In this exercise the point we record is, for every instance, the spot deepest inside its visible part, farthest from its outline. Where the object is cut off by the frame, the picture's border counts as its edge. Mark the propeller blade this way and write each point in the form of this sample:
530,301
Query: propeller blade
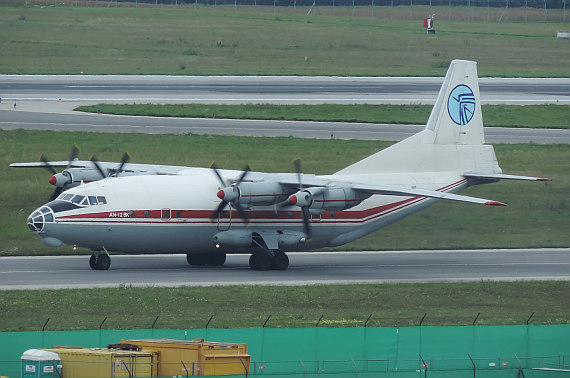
47,164
58,190
305,209
307,222
96,164
124,160
244,173
218,210
241,212
73,155
217,172
297,164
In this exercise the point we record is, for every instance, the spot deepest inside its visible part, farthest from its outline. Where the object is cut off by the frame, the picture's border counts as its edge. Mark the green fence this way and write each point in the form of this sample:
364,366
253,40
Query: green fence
485,351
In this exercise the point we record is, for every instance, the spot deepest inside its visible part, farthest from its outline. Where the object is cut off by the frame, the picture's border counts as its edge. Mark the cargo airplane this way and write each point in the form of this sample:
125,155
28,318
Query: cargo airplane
206,213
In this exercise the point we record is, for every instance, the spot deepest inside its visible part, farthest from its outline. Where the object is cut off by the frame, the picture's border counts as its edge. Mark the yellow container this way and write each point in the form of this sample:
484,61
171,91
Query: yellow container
196,357
103,363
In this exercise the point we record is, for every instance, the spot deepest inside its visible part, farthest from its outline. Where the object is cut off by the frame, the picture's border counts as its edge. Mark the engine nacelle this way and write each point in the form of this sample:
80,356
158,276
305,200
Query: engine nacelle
321,199
272,239
290,238
232,238
254,193
72,177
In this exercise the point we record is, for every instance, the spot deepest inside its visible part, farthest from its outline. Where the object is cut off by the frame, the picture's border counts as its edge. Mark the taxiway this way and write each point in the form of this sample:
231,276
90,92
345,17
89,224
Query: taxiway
307,268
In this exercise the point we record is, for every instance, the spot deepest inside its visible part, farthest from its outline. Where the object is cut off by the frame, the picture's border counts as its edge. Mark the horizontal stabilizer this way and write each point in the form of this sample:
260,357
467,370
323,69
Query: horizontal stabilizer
398,191
500,176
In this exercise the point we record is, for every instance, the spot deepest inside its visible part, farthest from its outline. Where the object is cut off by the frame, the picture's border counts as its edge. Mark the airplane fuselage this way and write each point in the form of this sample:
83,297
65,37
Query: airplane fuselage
173,214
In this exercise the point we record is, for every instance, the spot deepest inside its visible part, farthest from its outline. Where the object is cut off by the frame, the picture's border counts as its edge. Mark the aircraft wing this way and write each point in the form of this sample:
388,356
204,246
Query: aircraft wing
414,192
500,176
151,169
390,190
56,164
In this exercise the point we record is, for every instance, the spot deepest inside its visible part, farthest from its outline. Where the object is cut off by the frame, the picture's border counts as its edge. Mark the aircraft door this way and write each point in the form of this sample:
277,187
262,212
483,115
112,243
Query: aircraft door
225,218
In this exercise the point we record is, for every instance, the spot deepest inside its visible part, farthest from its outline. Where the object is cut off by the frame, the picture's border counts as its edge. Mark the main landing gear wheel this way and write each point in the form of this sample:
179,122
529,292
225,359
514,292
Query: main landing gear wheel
280,261
261,260
202,259
100,261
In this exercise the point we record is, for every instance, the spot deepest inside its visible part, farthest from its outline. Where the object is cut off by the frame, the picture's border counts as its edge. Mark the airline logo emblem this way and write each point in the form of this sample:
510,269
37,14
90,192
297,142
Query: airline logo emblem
461,104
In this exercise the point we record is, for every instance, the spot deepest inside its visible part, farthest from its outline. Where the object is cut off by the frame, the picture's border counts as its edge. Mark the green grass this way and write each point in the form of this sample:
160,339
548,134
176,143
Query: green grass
537,215
536,116
189,41
396,305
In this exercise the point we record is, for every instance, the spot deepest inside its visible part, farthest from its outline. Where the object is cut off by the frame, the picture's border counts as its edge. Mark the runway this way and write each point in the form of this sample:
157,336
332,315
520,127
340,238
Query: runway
305,269
271,89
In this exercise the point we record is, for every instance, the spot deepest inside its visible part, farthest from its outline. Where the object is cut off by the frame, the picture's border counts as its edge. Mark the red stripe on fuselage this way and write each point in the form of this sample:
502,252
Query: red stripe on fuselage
255,216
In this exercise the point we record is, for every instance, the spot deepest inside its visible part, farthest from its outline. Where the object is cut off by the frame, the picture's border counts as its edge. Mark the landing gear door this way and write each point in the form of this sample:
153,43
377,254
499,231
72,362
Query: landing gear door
225,218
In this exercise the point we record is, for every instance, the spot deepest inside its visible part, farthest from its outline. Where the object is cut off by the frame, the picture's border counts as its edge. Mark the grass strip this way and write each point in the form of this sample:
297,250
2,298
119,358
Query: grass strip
537,215
394,305
255,41
535,116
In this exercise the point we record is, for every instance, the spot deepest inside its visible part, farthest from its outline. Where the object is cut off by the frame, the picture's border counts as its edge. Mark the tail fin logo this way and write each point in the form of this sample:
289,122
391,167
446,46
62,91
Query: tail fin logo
461,104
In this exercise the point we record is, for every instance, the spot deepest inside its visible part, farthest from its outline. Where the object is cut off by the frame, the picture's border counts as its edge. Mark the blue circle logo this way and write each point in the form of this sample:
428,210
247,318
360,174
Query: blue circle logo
461,104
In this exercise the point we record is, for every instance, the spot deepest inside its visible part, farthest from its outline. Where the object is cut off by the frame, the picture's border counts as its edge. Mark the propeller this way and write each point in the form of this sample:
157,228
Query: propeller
229,194
124,160
56,176
304,209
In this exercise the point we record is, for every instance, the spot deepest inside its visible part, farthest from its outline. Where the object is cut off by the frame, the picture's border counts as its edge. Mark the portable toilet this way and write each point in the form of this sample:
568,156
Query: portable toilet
38,363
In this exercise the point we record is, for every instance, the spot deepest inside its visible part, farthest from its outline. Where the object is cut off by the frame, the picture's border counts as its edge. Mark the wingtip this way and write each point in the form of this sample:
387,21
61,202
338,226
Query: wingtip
495,203
543,179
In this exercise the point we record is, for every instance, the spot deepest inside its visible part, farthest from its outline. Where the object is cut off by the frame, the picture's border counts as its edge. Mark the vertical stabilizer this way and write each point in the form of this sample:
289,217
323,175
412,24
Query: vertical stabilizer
456,116
453,139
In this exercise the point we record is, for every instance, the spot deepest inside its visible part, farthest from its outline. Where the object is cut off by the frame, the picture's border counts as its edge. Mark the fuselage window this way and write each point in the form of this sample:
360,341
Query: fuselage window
147,213
102,200
93,200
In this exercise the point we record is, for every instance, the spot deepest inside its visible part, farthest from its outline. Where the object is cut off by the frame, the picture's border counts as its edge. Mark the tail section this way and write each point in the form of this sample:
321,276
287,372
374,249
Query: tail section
456,117
453,139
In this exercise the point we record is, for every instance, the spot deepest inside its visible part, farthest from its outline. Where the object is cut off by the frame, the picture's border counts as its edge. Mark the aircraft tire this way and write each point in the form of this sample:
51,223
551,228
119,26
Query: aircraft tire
216,259
93,262
103,262
202,259
280,261
199,259
260,261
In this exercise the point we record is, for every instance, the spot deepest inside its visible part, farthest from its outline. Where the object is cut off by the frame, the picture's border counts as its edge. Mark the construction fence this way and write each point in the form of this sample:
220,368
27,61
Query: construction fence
465,351
464,10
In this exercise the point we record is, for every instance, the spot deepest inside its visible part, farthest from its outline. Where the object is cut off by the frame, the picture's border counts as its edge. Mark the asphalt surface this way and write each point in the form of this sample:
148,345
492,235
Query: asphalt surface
305,269
47,103
271,89
36,116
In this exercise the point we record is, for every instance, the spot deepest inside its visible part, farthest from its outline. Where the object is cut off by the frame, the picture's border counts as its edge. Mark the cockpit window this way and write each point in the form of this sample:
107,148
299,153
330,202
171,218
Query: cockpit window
78,199
82,200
